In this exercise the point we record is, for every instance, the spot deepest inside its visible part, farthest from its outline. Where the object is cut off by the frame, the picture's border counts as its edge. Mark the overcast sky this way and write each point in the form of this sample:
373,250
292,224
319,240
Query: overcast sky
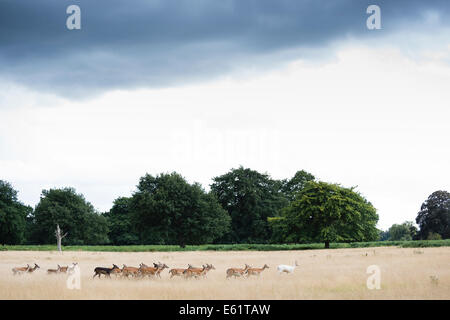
200,87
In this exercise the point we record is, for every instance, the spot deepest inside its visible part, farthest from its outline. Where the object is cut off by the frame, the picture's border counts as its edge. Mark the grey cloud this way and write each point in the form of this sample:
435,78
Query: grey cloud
126,44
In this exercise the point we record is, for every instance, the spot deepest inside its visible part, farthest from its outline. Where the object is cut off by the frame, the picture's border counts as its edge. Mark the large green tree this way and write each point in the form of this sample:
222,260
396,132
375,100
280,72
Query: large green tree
169,210
434,215
13,215
121,229
324,212
290,187
73,214
250,198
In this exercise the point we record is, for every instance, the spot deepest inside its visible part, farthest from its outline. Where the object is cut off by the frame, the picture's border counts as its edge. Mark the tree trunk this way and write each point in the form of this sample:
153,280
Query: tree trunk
59,237
327,244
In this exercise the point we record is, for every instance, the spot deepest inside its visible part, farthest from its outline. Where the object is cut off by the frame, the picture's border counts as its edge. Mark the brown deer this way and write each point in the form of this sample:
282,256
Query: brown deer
145,270
54,271
63,269
133,271
194,272
237,272
256,271
31,270
20,270
176,272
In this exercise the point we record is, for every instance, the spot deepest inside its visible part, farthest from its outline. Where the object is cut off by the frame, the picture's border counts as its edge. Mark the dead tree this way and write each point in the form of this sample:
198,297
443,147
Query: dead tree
59,237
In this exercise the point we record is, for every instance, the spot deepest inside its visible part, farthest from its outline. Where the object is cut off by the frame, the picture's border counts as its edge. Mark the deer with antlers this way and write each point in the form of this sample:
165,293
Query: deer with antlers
237,272
256,271
20,270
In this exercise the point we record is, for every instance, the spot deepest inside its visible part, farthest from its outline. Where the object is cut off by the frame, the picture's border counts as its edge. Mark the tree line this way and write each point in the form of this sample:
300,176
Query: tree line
242,206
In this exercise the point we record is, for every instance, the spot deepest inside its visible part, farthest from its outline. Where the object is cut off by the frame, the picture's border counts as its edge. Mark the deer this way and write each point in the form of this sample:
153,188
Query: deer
195,272
285,268
237,272
177,272
71,269
256,271
31,270
54,271
145,270
133,271
63,269
106,271
20,270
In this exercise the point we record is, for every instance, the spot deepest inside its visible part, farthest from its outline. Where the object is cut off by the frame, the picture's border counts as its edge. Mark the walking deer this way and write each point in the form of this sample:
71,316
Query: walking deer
133,271
20,270
54,271
63,269
176,272
256,271
106,271
237,272
285,268
195,272
31,270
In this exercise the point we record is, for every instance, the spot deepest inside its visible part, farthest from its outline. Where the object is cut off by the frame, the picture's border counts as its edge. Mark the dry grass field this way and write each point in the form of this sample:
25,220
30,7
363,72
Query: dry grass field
322,274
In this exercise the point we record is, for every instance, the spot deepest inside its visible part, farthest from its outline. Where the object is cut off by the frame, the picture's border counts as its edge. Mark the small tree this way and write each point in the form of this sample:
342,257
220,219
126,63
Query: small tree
59,237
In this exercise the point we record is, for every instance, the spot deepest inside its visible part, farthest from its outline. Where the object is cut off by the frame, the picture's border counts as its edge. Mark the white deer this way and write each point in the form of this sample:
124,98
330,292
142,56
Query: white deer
288,269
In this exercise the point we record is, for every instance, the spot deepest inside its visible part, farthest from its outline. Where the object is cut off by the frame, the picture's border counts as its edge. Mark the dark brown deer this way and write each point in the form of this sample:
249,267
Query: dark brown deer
63,269
105,271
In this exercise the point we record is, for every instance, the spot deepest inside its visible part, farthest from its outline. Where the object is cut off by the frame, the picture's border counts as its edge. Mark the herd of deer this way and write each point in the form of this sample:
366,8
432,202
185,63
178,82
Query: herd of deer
155,271
29,269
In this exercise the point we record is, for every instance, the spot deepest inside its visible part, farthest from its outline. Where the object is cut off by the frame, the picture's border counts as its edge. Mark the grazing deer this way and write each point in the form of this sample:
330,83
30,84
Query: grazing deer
133,271
285,268
237,272
31,270
20,270
54,271
256,271
106,271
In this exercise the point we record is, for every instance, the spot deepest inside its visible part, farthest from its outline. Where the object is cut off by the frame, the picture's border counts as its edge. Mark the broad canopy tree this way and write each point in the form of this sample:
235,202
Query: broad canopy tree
434,215
250,198
169,210
121,229
324,212
13,216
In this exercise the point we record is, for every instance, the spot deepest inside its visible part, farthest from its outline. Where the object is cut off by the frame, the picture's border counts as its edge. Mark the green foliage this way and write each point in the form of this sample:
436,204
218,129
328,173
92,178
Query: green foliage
329,213
434,215
13,215
434,236
404,231
73,214
249,198
168,210
296,184
121,229
235,247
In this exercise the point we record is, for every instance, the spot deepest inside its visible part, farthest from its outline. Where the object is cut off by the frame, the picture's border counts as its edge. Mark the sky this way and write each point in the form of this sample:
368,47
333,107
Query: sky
200,87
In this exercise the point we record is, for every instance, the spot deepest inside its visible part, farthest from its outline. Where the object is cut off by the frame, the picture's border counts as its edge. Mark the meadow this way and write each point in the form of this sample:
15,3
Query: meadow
340,273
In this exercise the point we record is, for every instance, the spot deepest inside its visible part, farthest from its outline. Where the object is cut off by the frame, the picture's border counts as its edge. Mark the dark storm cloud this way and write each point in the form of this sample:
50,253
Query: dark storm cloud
151,43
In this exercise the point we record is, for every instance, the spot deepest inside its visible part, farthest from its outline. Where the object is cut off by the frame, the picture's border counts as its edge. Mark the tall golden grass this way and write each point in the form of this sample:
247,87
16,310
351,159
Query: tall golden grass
322,274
